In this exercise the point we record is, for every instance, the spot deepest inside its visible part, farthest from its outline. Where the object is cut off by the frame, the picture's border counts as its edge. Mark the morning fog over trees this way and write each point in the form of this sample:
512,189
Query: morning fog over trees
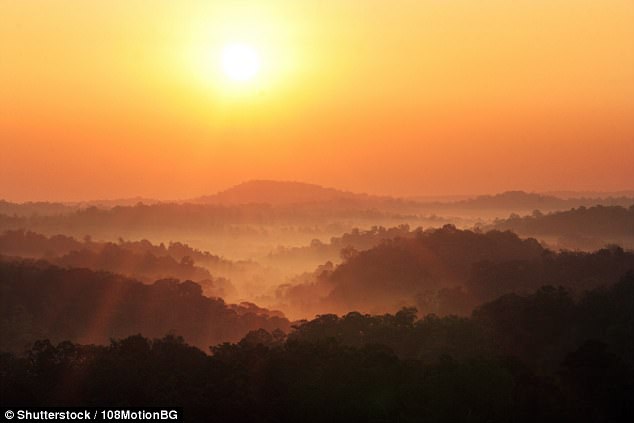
349,308
317,211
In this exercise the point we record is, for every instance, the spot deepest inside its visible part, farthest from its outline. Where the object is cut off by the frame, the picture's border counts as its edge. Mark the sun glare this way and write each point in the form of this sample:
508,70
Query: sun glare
240,62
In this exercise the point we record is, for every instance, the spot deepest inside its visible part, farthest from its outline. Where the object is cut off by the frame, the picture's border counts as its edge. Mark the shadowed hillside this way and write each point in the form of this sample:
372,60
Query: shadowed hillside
445,271
43,301
578,228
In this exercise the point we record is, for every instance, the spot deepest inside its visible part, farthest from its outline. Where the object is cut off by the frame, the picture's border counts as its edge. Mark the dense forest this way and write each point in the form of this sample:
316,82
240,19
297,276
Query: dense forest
584,228
241,231
141,260
446,271
43,301
322,305
318,252
538,357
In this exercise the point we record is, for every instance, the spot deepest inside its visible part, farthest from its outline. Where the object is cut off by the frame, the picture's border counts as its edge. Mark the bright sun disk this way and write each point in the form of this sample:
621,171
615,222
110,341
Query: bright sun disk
240,62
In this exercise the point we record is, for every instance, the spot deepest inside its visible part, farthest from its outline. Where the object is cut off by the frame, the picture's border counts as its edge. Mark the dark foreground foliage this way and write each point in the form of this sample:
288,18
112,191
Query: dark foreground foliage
541,357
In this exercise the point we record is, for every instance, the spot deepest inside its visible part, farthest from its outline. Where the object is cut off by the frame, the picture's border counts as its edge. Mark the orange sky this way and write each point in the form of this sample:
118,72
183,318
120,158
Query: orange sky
123,98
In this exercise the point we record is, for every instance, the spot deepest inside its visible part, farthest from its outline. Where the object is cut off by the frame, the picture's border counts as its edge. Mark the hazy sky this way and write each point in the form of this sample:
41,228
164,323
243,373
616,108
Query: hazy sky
105,99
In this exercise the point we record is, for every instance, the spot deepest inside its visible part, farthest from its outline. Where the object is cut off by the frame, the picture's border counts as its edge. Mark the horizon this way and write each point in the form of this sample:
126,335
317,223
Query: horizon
562,194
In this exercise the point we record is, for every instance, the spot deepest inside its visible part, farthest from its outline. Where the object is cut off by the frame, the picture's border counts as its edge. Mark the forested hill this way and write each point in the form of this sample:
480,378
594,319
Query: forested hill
447,271
43,301
578,228
597,221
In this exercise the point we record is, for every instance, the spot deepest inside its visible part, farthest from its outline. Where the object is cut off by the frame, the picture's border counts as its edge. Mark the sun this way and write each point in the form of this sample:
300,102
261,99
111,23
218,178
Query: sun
240,62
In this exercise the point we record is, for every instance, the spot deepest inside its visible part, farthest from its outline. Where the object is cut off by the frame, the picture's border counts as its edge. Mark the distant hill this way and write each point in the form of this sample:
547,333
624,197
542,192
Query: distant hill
46,208
282,193
520,201
298,195
119,202
513,200
578,228
41,208
593,221
591,194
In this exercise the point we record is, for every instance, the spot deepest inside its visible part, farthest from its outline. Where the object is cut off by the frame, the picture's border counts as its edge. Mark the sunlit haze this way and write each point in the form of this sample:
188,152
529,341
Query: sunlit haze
170,99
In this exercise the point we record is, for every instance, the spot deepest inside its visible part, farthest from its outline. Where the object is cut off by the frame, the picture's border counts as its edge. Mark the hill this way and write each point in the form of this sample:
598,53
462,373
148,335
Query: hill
528,201
445,271
282,193
40,300
577,228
